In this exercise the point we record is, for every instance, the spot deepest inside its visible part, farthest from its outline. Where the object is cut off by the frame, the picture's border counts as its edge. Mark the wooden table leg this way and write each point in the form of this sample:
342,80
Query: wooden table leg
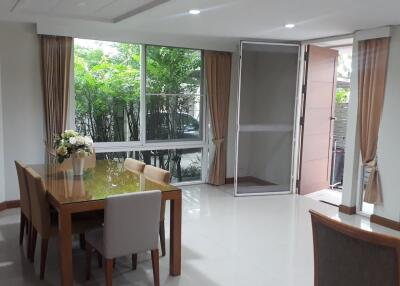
176,235
65,239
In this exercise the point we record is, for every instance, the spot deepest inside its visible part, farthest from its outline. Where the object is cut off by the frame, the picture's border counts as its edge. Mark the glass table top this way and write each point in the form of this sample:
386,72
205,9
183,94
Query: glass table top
107,178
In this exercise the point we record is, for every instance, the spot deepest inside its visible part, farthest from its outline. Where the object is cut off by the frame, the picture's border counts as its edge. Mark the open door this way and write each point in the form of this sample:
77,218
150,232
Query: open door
317,119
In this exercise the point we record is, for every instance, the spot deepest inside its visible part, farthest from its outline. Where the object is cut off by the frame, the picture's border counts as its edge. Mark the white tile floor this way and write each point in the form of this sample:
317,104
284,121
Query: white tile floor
327,195
226,241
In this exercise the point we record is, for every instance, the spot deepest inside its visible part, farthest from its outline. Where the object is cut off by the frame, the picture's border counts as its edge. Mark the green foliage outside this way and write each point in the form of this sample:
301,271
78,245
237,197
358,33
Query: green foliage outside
342,95
172,71
107,88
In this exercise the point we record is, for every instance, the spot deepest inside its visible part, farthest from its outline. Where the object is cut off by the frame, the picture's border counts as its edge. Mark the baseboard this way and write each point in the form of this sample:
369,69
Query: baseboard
9,205
385,222
229,180
347,210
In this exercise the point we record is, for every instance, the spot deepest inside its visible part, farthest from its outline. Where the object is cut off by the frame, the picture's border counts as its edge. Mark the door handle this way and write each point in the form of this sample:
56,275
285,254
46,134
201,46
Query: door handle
332,118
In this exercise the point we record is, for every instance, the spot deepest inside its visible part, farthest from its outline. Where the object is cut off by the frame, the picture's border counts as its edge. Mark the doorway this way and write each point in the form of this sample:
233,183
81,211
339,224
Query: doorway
265,118
326,94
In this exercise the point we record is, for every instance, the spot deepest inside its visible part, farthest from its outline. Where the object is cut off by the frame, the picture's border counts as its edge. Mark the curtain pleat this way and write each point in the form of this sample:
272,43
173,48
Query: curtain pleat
372,67
56,54
218,76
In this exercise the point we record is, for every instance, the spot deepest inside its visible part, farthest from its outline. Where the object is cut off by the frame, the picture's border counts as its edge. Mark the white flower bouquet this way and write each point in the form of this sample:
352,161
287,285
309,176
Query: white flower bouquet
71,143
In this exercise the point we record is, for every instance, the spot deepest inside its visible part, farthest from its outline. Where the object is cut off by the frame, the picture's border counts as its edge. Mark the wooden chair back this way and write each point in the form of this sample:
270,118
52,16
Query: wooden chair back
157,174
134,165
23,189
347,255
39,205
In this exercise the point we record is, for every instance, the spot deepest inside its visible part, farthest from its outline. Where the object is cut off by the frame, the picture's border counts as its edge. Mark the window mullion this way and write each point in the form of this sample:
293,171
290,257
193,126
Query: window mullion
142,133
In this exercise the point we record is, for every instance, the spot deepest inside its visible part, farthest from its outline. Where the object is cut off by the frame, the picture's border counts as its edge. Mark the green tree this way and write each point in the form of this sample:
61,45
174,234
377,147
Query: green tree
342,95
107,88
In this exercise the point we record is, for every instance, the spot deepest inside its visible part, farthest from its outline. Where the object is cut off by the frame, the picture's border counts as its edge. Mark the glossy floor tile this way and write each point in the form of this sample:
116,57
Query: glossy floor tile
333,197
226,241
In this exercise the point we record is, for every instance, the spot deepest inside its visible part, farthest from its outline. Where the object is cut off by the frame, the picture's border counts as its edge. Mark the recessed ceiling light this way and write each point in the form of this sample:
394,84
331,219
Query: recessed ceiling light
290,26
194,12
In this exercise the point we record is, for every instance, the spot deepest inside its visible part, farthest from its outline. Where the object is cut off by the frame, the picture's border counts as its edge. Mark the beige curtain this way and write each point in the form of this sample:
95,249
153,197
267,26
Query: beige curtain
372,66
55,71
218,75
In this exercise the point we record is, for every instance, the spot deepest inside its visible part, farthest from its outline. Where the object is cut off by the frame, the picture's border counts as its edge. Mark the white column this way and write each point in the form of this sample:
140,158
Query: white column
2,179
352,155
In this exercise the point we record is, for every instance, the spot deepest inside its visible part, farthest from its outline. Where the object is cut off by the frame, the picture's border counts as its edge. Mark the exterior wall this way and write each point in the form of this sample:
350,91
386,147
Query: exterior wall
339,131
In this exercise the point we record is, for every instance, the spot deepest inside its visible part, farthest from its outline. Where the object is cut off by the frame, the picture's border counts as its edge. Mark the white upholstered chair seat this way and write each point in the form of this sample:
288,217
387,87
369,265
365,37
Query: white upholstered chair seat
131,224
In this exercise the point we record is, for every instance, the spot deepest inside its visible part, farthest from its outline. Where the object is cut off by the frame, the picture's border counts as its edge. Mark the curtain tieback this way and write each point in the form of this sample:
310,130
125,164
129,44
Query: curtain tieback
372,164
218,142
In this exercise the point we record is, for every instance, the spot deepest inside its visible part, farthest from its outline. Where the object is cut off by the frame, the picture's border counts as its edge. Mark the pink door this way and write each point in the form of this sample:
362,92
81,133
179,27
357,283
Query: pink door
317,119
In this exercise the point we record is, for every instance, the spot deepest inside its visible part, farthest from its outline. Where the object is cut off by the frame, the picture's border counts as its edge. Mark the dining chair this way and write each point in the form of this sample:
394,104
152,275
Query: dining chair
134,165
130,226
164,177
25,222
347,255
45,223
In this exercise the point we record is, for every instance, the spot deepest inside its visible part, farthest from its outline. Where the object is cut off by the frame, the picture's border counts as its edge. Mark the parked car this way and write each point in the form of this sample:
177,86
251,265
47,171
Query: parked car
178,125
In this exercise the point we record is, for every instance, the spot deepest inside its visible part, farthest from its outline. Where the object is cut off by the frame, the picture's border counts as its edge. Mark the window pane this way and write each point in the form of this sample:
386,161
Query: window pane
173,94
173,70
107,90
174,117
184,164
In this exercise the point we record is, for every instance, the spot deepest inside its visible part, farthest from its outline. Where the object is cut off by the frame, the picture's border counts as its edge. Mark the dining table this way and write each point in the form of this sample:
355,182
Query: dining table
69,194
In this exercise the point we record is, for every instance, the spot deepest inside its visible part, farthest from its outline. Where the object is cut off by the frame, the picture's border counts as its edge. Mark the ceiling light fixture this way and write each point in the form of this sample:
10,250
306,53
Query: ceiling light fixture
194,12
290,26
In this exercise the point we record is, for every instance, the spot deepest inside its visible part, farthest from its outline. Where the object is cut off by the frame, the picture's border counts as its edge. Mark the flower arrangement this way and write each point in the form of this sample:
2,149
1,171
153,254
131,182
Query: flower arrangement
71,143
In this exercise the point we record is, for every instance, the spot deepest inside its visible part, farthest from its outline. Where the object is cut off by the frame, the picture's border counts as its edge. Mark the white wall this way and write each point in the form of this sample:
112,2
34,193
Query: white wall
231,144
352,155
389,135
248,87
21,101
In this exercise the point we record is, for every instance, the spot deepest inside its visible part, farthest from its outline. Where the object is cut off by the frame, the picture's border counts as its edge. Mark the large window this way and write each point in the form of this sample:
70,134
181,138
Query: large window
142,101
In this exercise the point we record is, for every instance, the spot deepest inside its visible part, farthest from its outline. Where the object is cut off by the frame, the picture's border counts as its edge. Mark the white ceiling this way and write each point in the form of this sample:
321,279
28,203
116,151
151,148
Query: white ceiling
94,10
262,19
